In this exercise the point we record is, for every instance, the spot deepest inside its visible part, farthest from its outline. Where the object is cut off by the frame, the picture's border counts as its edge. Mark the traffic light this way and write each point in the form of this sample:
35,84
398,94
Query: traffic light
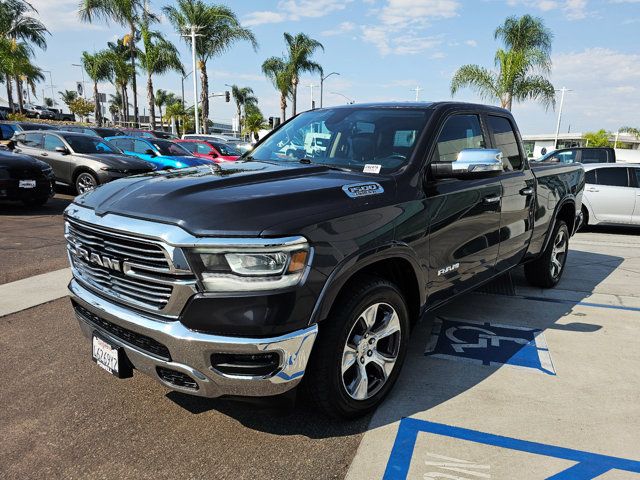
227,96
276,122
270,122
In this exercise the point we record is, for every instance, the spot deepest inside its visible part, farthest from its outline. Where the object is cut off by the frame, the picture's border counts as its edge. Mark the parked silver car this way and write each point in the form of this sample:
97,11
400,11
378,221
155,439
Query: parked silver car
612,194
83,161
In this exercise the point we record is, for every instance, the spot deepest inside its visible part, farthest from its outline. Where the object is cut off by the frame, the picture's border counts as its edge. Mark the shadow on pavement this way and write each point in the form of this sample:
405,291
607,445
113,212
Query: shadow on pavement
55,206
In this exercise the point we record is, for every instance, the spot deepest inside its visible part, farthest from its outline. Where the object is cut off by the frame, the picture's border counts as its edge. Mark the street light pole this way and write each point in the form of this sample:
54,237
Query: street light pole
322,79
349,101
192,34
53,98
563,90
84,89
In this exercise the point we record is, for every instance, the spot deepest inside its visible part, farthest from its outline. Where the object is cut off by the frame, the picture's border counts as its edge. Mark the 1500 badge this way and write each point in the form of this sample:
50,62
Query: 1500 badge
356,190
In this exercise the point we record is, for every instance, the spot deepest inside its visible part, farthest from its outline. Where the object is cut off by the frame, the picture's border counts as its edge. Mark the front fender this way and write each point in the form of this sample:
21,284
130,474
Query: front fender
354,264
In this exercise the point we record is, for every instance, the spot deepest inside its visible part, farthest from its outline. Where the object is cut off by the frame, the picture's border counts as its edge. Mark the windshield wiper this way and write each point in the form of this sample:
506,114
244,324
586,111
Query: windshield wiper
308,161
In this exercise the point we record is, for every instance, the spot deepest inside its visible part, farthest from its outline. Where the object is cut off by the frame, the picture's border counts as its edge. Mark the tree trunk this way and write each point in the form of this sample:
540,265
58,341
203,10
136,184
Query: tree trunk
507,101
20,98
132,49
96,104
294,100
283,107
239,105
125,104
204,95
152,110
10,93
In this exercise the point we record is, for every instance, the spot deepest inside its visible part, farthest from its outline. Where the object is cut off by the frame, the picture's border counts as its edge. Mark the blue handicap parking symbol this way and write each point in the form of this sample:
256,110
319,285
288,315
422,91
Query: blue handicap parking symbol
490,344
588,465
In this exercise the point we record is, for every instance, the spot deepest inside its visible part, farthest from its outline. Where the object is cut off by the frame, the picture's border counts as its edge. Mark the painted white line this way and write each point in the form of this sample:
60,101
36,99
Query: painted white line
32,291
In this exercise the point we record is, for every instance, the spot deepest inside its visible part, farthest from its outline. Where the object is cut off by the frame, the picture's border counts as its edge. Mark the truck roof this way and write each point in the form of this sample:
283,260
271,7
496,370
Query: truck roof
425,105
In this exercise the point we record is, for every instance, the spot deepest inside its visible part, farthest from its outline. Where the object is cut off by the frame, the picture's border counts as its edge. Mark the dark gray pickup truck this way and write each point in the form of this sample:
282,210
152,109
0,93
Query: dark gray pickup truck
316,261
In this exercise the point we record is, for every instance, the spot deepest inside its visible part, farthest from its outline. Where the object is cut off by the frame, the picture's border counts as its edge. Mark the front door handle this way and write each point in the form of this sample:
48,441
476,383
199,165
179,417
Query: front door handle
526,191
44,154
592,189
490,200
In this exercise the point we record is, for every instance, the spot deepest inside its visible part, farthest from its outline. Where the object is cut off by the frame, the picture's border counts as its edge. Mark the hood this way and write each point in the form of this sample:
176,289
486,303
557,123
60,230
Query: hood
118,161
242,198
10,161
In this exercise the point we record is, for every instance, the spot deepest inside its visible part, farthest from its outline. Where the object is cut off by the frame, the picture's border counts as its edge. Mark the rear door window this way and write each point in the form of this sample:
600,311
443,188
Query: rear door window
459,133
32,140
594,155
613,177
506,141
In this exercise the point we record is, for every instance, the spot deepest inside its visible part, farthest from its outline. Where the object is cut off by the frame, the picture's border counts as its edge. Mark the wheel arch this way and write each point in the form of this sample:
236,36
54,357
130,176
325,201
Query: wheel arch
395,263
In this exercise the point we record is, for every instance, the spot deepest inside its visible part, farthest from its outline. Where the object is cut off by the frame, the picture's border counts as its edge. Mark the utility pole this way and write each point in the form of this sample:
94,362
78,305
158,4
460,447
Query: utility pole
182,87
313,104
322,79
417,90
563,90
193,35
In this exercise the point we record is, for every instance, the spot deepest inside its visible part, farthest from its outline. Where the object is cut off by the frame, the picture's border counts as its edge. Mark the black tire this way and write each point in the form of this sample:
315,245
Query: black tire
83,182
325,381
544,272
35,201
585,219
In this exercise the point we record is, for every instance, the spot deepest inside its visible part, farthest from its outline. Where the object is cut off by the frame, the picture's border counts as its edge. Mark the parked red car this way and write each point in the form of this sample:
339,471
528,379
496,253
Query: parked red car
216,151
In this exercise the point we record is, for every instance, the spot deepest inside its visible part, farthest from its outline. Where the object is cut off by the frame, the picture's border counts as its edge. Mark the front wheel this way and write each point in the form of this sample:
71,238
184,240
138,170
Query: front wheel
85,182
547,269
360,349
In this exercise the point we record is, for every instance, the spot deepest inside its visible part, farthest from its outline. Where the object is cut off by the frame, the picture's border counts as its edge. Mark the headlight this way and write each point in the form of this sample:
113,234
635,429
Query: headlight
251,269
113,170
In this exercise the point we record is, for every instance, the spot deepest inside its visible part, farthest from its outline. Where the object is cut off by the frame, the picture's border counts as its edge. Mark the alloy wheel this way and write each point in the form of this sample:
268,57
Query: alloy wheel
559,253
371,351
85,182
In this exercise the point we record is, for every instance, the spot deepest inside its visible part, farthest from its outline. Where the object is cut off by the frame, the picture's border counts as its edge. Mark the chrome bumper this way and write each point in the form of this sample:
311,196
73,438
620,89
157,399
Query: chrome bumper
191,351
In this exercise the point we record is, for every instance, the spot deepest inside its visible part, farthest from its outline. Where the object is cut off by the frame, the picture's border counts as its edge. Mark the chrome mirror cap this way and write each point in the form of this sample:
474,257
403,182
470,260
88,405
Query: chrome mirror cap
478,160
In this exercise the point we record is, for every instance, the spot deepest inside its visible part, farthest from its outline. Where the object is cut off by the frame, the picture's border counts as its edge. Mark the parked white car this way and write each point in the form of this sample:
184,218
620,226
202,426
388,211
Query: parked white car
612,194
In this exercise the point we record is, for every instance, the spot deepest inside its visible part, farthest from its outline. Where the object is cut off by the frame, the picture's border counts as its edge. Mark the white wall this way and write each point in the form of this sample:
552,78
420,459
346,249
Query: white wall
624,155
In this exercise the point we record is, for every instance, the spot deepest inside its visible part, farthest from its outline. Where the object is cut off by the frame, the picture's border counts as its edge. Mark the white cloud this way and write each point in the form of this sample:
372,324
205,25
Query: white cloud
471,43
389,41
344,27
573,9
62,15
292,10
406,12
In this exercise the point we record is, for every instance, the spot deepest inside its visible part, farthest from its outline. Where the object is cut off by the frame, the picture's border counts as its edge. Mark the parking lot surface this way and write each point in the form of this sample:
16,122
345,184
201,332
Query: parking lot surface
553,372
32,239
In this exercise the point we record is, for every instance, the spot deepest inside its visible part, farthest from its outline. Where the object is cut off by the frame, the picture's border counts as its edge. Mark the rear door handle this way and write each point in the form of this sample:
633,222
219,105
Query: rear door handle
44,154
526,191
592,189
491,200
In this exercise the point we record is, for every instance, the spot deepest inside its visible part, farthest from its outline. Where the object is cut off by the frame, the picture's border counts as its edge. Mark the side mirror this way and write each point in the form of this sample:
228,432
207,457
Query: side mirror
213,154
471,162
62,150
148,151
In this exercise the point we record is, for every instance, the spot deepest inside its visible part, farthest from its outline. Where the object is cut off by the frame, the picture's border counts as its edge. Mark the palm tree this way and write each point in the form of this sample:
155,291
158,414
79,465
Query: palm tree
18,24
119,54
631,130
49,102
242,97
159,57
521,67
218,29
99,68
16,66
126,13
161,97
68,96
300,50
276,70
253,124
117,104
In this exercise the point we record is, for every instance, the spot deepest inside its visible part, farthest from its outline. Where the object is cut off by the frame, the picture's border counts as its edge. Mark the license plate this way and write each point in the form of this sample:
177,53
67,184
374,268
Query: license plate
106,356
27,184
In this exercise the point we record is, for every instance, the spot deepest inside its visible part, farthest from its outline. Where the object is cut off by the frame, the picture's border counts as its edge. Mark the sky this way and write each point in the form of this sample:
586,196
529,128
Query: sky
384,49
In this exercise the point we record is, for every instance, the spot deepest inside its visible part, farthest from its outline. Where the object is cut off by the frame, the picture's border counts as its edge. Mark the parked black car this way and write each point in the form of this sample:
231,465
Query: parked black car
84,161
580,155
240,278
25,179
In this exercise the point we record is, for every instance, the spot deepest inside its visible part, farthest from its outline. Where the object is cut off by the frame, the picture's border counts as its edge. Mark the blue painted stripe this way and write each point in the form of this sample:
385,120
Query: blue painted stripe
589,465
584,304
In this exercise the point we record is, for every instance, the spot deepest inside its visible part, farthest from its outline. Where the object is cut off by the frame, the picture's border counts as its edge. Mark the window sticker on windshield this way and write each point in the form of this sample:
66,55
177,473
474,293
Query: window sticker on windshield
372,168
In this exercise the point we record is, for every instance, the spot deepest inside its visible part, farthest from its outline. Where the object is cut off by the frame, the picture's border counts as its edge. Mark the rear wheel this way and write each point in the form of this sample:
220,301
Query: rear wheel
85,182
546,270
360,349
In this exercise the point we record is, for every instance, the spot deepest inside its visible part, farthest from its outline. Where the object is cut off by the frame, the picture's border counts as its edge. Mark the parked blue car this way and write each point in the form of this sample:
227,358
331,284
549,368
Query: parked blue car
162,153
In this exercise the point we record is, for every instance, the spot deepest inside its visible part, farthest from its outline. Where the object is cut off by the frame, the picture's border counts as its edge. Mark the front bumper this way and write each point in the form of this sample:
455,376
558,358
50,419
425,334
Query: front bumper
190,351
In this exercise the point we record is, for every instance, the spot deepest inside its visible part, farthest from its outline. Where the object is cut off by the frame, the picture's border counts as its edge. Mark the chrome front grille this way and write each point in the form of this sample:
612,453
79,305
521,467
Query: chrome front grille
128,269
133,251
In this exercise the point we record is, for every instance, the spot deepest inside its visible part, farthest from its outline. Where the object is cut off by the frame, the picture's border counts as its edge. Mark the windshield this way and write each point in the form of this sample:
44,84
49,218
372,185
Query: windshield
363,139
226,149
87,144
166,147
